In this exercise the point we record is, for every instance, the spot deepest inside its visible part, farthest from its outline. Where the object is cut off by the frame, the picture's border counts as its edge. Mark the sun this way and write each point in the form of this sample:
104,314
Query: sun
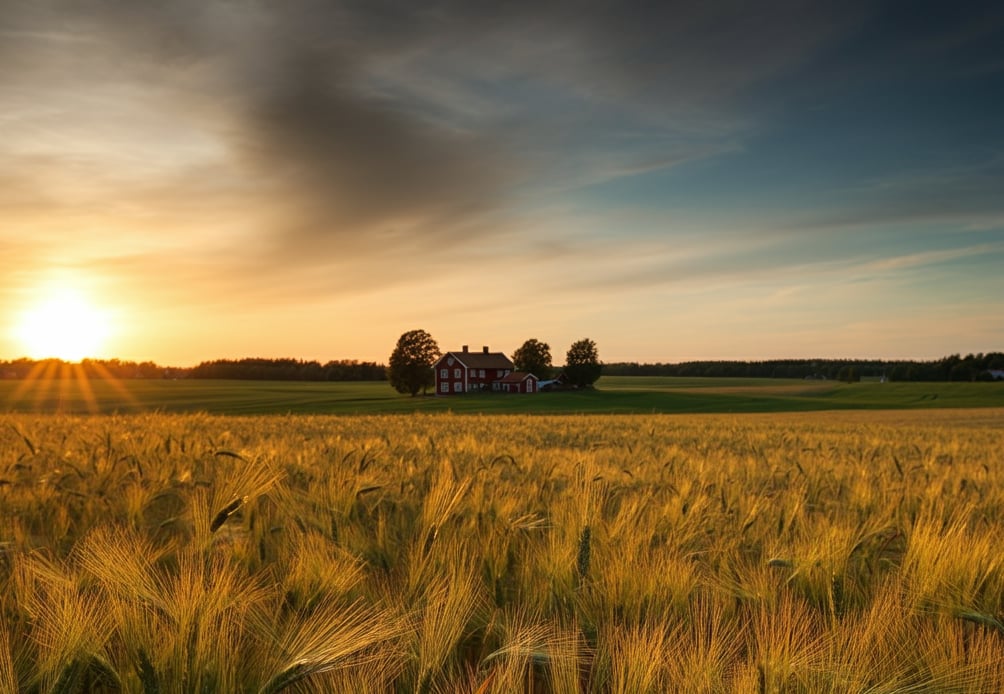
63,324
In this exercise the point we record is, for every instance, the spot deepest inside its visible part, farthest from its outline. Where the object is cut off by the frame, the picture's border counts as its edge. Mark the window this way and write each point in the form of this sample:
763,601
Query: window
499,373
472,372
444,387
444,373
450,361
458,387
456,373
482,374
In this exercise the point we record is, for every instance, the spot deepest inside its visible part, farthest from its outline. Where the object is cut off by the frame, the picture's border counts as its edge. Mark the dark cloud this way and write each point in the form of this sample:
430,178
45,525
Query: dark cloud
342,165
383,127
300,84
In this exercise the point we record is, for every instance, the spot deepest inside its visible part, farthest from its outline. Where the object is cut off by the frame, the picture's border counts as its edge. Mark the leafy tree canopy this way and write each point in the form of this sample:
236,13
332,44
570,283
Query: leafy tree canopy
410,366
534,357
582,363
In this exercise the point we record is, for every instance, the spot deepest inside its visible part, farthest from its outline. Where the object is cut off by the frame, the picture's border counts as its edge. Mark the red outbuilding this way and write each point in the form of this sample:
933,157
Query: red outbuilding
520,382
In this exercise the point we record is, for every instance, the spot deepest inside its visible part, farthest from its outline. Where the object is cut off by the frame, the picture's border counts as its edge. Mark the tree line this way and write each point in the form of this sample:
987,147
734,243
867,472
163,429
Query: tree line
972,367
290,370
90,368
533,356
251,369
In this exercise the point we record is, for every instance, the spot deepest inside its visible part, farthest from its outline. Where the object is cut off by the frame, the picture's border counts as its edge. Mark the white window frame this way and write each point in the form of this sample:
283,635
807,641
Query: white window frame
444,373
444,387
456,373
458,387
481,373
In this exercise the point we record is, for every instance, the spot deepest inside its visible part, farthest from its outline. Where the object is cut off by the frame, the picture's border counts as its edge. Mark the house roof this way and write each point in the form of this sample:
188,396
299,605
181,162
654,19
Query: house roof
518,377
480,360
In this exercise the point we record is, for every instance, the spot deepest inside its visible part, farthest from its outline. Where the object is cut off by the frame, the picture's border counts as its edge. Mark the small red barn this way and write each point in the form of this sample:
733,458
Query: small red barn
520,382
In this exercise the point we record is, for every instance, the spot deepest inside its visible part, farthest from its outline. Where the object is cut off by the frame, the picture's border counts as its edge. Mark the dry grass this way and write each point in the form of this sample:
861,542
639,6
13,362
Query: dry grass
762,553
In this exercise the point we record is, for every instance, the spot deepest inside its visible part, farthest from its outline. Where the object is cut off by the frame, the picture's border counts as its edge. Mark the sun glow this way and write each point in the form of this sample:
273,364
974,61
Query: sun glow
63,324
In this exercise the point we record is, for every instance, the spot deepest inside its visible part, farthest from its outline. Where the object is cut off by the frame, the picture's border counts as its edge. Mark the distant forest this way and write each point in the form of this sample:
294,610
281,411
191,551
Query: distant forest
972,367
239,369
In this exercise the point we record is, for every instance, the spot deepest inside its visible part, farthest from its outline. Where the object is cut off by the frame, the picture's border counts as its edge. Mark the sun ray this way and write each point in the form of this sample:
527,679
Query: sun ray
63,329
53,385
85,388
37,383
63,323
114,383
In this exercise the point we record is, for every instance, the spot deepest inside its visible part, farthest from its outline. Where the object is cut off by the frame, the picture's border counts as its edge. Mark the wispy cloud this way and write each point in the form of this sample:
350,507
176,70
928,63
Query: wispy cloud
926,258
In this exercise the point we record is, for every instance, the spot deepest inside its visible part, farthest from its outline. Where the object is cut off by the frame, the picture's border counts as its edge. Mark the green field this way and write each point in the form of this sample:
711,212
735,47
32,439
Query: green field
624,394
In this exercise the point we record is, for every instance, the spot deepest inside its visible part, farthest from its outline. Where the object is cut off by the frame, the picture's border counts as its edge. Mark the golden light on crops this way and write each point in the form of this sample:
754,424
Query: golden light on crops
64,323
65,328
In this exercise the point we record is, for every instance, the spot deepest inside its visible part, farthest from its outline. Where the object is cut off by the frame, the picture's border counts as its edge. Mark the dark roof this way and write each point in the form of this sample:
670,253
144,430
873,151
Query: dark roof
518,377
480,360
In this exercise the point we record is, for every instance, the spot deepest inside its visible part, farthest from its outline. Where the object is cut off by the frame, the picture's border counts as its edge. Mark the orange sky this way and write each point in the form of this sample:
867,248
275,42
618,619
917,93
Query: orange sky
222,180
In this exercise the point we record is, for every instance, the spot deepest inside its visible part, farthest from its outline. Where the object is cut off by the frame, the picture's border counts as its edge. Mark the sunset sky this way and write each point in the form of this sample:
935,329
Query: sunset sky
676,181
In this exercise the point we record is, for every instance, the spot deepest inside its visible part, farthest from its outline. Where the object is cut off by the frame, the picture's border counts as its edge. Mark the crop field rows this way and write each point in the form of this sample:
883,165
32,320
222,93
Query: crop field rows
807,552
615,395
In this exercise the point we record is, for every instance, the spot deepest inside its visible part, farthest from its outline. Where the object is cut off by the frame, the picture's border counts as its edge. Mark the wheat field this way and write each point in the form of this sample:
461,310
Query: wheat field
817,552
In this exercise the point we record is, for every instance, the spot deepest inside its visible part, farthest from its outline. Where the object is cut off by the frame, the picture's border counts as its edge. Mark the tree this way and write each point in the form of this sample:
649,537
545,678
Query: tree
582,363
849,374
410,366
533,357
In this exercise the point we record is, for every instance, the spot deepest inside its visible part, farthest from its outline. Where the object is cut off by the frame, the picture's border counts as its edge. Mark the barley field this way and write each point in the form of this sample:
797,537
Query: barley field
800,552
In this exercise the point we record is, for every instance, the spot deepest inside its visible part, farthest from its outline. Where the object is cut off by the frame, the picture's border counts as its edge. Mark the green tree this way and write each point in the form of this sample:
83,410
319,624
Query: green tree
534,357
410,366
582,363
849,374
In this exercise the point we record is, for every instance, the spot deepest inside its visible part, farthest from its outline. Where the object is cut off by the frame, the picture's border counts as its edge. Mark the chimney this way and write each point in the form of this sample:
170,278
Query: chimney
485,349
465,349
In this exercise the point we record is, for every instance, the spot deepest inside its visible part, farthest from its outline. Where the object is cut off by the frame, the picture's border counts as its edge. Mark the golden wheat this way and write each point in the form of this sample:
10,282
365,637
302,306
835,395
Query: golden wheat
836,552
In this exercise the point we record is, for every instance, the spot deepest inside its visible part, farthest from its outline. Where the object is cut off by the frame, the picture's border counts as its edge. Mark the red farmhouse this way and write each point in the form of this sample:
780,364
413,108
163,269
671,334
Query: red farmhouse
467,372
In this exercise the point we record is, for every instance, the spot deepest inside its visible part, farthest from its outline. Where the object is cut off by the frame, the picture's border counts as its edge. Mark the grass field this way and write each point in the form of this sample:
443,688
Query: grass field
613,395
839,552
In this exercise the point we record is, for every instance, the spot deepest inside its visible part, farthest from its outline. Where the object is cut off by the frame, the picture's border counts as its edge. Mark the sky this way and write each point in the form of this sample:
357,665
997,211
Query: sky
675,180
